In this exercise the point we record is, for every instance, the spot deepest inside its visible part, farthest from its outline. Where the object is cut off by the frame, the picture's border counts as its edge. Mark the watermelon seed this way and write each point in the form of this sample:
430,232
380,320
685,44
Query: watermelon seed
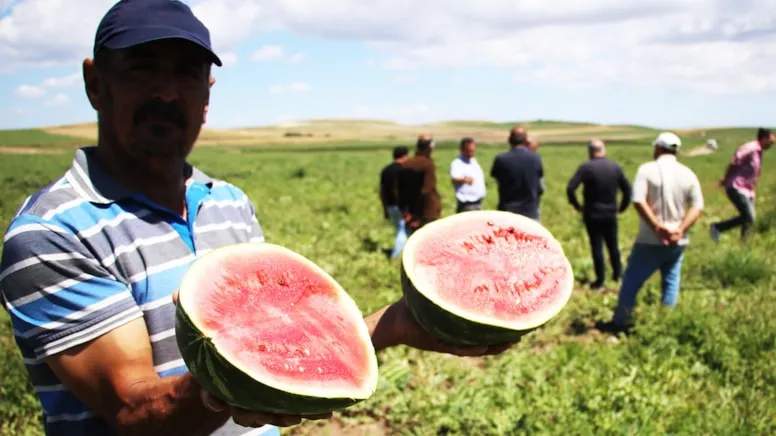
491,223
511,229
262,348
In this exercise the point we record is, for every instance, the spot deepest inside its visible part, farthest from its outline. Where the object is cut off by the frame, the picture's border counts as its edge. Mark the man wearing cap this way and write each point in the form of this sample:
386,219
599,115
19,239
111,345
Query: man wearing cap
667,196
519,173
740,183
602,179
467,178
91,262
416,186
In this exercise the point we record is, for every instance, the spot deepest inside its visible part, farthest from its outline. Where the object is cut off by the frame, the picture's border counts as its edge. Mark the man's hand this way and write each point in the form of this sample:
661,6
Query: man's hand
721,183
468,180
395,325
248,418
664,233
675,237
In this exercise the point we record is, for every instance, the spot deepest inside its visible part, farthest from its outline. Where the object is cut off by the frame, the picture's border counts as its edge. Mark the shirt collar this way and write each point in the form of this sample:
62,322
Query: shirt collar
92,182
667,157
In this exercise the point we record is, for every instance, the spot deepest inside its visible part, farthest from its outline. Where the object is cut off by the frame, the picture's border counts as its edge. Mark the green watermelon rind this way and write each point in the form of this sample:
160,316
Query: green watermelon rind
453,325
216,374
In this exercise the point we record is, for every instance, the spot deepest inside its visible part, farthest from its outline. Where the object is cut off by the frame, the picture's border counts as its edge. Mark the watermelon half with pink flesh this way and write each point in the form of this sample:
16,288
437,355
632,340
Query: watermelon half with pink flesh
266,329
484,277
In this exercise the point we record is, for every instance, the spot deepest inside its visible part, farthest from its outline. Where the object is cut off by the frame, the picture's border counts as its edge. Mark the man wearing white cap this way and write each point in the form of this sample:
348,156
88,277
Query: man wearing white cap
668,198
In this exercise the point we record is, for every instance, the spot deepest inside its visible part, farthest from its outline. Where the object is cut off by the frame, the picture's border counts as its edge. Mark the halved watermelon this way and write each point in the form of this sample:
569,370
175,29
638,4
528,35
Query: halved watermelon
265,329
484,277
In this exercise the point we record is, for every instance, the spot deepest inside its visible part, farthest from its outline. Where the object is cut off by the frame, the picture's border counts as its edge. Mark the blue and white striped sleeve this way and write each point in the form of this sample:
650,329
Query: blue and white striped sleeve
256,233
57,293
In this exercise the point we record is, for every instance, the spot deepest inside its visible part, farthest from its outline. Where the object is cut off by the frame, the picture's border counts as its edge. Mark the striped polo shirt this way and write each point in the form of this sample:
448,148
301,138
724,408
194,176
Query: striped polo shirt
83,256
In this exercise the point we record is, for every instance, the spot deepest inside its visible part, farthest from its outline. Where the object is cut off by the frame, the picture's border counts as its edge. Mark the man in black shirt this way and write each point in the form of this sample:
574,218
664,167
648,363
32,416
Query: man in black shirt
520,176
388,198
602,178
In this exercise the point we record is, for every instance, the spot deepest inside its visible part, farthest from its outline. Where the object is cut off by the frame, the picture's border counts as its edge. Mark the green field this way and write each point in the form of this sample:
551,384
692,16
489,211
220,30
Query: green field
707,367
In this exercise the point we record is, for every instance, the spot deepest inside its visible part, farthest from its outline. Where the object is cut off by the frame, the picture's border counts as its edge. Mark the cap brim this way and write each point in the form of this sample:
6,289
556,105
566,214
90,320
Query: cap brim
142,35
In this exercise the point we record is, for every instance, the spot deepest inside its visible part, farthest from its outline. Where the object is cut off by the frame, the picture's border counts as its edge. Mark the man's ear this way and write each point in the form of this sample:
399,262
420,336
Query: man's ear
91,82
207,103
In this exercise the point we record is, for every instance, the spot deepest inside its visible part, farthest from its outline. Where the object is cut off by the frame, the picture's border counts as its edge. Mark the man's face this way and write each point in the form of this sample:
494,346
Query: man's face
151,99
768,142
469,149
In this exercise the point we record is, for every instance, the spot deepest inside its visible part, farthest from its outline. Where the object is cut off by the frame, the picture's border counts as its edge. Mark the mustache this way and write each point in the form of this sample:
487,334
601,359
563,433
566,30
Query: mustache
170,112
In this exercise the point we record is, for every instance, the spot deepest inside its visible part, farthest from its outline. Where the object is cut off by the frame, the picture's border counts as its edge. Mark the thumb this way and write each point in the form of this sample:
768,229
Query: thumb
175,297
211,402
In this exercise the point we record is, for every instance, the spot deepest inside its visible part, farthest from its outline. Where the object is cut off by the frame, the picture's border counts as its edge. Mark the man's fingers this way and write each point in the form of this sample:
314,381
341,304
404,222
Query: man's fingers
211,402
175,297
250,419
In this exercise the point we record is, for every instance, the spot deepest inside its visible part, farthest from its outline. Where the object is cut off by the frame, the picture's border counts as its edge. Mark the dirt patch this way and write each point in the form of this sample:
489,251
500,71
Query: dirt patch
699,151
322,131
338,427
29,150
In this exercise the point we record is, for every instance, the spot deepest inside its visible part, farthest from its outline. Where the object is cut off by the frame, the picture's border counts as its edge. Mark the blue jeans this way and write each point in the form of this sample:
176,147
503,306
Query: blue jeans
396,217
643,261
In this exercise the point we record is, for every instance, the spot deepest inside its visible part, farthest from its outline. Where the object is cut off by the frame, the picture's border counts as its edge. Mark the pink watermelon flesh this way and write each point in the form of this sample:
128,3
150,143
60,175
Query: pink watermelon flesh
493,270
273,315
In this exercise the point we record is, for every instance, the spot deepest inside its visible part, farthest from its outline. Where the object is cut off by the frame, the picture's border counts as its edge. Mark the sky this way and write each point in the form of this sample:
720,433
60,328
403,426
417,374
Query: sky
662,63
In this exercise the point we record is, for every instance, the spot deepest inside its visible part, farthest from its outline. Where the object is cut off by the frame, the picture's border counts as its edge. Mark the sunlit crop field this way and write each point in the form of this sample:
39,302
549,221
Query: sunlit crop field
707,367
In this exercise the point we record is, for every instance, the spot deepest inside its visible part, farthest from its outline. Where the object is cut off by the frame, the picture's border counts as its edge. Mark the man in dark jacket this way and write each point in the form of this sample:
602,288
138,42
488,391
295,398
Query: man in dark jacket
520,176
602,179
389,199
418,197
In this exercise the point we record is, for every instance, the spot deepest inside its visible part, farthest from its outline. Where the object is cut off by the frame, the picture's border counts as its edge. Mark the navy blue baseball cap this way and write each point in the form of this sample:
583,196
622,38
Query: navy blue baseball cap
132,22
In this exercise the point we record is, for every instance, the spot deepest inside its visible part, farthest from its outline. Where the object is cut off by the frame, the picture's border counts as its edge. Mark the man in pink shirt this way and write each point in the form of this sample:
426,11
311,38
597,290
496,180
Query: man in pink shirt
740,182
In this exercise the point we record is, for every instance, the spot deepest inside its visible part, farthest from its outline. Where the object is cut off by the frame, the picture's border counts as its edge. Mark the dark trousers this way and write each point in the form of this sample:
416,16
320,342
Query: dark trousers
467,206
746,214
601,231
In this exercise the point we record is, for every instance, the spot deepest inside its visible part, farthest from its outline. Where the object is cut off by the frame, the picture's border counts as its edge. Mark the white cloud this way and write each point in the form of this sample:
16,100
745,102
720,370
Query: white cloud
58,100
717,46
268,53
38,91
298,57
417,113
406,78
63,82
293,87
30,91
228,59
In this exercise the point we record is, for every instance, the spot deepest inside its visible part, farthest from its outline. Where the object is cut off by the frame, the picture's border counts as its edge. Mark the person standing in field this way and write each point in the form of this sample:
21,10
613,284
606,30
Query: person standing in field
668,198
601,179
467,178
419,199
740,183
519,173
91,263
389,198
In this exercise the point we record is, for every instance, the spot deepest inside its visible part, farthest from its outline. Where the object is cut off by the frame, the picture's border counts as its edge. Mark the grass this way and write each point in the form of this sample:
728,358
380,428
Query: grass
706,367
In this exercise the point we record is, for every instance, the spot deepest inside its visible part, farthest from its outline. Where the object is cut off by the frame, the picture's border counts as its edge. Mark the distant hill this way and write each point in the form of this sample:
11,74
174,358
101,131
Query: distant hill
328,131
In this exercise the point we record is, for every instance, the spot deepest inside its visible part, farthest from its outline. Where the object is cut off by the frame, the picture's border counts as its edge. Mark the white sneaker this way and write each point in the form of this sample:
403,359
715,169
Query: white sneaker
714,233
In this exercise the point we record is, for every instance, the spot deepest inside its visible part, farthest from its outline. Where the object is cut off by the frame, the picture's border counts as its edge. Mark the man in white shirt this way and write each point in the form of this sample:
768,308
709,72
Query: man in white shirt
468,178
668,198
